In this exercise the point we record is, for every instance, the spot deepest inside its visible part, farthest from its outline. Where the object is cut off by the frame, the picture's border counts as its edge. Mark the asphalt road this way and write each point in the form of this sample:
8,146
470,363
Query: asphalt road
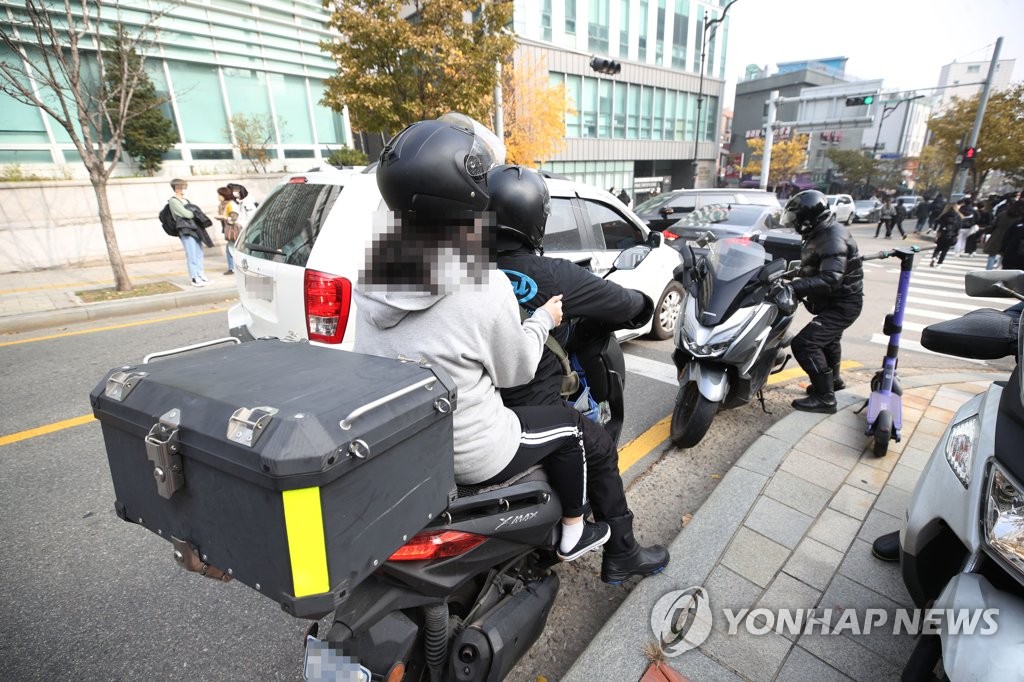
88,596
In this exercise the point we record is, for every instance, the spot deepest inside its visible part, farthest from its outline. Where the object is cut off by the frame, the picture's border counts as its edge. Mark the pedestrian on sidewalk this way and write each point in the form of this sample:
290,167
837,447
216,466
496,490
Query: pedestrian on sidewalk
190,233
831,284
948,226
227,214
887,214
1003,222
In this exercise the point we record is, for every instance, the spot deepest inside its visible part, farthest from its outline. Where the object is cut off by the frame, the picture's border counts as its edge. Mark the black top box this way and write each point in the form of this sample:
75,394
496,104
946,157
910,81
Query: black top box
296,469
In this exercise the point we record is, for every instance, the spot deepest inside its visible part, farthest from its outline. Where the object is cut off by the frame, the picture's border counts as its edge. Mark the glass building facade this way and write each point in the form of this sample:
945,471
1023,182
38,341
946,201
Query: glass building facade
644,119
211,59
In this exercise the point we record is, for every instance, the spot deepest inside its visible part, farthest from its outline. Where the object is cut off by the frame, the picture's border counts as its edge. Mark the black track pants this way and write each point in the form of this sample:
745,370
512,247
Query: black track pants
817,347
578,456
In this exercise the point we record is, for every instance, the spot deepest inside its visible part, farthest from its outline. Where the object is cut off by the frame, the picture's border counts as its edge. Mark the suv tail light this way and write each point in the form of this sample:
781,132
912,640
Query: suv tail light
328,300
669,235
437,544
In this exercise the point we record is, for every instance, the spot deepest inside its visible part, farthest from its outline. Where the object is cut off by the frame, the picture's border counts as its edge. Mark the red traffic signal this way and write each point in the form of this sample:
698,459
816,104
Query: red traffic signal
970,153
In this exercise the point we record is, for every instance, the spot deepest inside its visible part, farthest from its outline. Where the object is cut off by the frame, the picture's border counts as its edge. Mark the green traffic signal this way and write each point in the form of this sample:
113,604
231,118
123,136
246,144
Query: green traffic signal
859,101
869,99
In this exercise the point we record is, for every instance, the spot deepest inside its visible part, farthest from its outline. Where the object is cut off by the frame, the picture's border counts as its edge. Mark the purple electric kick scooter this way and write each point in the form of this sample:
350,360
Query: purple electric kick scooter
885,405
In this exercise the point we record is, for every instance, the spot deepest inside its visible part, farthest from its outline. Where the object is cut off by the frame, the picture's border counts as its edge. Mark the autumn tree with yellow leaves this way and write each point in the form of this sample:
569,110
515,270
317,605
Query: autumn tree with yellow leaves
401,62
788,157
535,112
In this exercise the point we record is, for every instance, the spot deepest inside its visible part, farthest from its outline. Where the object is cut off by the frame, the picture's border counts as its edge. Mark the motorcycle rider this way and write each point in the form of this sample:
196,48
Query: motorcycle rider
521,205
429,291
831,285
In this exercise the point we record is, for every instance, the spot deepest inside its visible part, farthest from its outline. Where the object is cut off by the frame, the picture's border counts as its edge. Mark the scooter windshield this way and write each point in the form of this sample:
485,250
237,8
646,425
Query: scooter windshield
730,262
735,257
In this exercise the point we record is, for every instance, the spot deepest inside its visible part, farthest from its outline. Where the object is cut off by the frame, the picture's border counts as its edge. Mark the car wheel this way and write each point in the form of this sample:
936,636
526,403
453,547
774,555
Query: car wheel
666,313
849,218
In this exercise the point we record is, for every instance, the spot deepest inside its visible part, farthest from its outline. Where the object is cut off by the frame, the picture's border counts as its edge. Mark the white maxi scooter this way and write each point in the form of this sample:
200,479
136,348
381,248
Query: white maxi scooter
963,543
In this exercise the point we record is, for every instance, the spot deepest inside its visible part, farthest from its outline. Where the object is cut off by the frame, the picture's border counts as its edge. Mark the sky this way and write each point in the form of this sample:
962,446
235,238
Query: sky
904,42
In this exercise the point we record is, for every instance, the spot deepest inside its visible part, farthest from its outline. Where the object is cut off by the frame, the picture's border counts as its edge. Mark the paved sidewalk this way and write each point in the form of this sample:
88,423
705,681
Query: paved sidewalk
790,526
45,298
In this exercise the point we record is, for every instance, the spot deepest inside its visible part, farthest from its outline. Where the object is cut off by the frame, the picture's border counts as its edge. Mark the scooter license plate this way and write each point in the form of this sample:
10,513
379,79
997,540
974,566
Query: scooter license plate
324,664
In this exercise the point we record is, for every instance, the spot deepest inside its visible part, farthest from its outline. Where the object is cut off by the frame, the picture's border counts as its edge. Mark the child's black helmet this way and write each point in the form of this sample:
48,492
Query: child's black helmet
520,201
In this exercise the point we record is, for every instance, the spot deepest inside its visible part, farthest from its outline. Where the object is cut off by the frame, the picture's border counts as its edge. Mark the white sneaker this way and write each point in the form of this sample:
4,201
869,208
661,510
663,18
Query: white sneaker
199,282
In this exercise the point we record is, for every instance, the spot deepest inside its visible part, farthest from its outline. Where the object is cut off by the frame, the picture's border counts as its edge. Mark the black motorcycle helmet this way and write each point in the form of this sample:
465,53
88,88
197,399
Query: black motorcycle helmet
520,202
439,167
807,211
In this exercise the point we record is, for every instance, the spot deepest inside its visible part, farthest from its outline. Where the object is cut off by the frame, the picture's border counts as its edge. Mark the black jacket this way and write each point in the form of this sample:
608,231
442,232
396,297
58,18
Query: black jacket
830,268
585,296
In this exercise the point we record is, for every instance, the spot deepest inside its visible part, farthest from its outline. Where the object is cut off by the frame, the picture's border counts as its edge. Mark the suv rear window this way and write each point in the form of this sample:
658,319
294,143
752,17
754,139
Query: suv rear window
287,224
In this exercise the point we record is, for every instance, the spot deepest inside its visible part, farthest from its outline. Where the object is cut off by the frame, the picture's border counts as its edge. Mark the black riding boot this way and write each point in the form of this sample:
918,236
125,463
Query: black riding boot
837,381
887,547
822,399
624,558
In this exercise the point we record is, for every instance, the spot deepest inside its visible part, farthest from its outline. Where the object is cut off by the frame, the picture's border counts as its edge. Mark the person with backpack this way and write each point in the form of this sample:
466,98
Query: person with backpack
191,232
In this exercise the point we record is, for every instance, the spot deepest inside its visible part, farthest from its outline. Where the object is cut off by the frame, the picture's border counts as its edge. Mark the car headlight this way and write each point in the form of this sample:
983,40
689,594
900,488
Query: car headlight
960,448
1004,517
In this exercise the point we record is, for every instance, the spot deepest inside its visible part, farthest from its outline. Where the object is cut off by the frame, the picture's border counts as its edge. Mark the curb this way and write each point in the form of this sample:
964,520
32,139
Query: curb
617,651
96,311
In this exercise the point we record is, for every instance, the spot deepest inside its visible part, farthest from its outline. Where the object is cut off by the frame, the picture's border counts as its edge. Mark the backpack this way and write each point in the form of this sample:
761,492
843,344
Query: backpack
167,221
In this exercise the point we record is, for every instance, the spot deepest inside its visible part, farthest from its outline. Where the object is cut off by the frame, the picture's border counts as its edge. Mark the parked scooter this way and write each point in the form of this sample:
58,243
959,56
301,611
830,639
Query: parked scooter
962,546
469,595
731,332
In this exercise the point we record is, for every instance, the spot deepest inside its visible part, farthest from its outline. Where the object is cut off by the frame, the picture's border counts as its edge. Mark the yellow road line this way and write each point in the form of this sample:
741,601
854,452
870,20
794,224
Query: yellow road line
634,451
796,372
108,328
48,428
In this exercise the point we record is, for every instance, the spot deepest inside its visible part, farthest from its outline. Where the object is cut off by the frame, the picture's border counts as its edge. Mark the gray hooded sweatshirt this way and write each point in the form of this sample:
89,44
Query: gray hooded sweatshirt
476,335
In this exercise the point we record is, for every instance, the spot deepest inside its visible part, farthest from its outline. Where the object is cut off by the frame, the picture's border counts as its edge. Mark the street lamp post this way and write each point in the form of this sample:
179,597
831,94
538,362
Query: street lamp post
700,87
885,112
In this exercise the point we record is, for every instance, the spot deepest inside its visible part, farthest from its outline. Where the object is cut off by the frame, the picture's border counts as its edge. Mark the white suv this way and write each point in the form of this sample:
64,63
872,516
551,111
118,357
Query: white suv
298,258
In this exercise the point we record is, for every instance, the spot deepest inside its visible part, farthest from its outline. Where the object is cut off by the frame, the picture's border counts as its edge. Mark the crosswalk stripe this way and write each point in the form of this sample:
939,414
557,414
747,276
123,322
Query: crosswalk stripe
941,291
941,304
933,314
909,344
664,372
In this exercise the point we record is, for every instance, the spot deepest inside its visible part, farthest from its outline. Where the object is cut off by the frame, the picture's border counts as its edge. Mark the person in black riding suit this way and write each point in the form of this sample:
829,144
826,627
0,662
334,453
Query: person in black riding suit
831,285
520,202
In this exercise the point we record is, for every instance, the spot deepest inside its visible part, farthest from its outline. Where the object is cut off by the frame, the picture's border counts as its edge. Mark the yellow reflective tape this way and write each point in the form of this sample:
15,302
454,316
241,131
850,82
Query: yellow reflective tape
304,524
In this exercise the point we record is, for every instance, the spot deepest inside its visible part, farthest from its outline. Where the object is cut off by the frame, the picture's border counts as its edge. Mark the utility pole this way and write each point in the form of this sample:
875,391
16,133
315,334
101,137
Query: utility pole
961,176
769,138
700,87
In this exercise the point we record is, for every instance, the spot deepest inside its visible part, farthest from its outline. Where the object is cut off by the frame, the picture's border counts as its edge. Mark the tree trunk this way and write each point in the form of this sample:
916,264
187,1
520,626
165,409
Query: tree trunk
99,186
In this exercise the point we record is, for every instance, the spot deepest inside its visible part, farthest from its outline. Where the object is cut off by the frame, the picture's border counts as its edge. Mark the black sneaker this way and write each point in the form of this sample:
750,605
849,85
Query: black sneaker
594,535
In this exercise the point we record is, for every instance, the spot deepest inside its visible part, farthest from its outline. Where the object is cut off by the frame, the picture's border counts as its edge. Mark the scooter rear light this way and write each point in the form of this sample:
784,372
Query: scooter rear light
328,301
437,544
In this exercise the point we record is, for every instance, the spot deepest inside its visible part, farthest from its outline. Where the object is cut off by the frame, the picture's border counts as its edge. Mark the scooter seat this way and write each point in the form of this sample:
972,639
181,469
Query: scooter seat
534,473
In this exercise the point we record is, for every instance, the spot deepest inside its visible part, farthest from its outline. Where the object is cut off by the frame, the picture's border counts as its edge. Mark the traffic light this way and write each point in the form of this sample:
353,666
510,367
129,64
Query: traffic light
608,66
860,100
969,153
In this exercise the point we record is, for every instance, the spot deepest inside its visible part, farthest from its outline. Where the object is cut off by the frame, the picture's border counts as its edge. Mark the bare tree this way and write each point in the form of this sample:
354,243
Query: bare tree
60,64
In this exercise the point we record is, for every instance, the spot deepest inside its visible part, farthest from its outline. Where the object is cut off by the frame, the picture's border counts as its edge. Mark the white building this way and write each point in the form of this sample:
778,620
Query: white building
900,127
965,79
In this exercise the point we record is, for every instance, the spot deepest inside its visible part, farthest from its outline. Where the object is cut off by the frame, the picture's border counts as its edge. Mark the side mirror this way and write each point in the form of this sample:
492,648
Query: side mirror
997,283
666,211
772,271
631,257
655,239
